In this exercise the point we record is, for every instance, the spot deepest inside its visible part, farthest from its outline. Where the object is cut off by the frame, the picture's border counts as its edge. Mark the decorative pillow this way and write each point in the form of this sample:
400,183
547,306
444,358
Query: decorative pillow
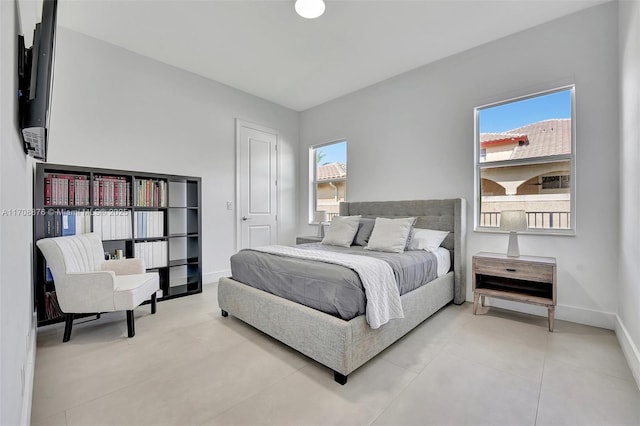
427,239
364,231
341,231
390,234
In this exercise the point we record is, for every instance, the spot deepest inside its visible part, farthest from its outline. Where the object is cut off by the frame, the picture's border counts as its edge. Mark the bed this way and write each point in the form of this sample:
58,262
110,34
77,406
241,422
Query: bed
343,345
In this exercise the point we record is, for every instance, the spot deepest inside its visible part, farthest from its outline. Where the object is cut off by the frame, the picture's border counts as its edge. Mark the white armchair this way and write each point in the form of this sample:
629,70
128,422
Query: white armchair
86,283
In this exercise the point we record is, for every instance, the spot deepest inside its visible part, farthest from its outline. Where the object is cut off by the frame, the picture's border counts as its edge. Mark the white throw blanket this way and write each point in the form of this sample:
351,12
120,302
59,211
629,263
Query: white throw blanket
381,289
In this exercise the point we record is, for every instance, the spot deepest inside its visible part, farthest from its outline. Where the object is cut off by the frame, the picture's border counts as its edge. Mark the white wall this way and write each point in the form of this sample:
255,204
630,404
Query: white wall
116,109
16,300
628,327
411,137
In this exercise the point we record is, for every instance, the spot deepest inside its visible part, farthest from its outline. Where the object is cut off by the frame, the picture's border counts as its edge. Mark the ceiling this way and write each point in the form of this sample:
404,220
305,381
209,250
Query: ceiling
264,48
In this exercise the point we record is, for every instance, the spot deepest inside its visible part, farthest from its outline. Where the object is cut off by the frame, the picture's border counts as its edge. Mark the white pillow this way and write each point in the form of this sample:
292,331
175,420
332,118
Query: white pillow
427,239
390,234
341,231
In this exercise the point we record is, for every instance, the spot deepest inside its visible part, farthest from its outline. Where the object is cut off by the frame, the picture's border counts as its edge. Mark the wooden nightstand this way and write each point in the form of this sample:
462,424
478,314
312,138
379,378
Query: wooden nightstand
527,279
308,239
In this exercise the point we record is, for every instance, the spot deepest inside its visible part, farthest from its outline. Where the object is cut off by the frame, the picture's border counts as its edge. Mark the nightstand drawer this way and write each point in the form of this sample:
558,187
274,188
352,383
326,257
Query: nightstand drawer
513,269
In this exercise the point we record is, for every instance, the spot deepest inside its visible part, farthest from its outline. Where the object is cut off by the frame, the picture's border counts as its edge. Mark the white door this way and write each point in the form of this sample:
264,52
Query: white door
257,198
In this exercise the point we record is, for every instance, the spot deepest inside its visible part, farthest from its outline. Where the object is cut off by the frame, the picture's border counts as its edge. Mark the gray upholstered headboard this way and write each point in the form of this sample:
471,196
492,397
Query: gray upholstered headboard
444,215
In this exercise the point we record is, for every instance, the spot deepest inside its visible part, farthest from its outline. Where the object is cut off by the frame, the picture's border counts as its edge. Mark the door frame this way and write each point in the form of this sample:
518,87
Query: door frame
238,216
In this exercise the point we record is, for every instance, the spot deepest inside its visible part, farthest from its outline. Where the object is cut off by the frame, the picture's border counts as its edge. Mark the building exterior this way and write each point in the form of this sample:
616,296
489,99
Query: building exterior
331,189
541,188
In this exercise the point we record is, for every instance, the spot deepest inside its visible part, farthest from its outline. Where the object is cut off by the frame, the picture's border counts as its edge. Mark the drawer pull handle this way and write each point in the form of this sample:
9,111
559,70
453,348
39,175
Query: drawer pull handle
511,270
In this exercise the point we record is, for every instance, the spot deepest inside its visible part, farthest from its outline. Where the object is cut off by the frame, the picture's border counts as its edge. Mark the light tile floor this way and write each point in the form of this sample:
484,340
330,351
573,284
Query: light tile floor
189,366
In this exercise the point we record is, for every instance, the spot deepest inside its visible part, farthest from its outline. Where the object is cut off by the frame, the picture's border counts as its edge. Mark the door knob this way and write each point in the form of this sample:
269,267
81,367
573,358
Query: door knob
244,218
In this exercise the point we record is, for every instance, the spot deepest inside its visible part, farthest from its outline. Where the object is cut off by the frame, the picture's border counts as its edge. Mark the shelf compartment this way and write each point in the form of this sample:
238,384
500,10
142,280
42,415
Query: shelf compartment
154,253
184,193
183,248
149,224
183,221
65,189
515,286
111,190
183,279
125,245
112,224
150,192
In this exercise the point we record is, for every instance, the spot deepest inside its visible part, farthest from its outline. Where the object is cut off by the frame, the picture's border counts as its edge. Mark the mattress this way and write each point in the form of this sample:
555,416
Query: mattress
331,288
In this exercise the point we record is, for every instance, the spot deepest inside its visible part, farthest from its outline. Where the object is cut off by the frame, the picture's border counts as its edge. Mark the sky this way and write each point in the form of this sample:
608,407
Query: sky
334,153
517,114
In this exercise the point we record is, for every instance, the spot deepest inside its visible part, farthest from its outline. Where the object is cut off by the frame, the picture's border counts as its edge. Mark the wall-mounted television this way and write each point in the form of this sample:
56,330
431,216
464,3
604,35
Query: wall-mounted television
35,76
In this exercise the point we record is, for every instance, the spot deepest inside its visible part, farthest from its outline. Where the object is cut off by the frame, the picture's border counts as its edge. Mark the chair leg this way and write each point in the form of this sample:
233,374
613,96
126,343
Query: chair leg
153,303
130,327
68,324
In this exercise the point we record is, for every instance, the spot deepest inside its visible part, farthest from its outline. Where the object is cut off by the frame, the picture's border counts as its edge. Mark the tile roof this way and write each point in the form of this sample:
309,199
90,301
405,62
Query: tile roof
547,137
331,171
488,138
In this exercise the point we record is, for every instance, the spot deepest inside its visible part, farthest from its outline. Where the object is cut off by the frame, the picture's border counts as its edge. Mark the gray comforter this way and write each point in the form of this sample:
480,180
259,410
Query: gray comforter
329,288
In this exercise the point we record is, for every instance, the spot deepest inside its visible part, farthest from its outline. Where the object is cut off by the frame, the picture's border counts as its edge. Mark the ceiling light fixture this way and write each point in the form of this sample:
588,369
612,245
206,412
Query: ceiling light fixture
310,9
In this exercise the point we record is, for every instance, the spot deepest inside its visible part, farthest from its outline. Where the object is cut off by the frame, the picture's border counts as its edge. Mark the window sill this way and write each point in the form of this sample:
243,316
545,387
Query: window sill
548,232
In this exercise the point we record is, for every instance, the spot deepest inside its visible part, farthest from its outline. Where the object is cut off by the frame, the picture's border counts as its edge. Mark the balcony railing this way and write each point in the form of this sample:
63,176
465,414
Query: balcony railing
535,220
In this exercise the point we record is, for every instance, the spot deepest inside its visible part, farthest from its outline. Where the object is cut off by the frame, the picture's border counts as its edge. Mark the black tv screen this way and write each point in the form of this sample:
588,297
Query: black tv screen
35,74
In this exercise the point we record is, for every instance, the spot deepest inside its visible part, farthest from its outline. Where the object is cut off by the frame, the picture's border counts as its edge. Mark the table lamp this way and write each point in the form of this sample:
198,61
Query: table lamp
513,221
320,217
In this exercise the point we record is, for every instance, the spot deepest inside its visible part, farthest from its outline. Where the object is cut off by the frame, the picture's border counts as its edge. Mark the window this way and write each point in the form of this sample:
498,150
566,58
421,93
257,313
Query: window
555,182
525,161
328,176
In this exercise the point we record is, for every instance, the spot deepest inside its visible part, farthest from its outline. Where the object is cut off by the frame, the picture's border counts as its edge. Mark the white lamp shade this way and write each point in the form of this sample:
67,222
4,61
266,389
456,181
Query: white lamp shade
320,216
310,9
513,220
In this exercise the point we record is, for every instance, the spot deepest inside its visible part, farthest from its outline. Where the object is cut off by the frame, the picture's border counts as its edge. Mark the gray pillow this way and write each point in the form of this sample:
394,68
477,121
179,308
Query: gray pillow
341,231
390,234
364,231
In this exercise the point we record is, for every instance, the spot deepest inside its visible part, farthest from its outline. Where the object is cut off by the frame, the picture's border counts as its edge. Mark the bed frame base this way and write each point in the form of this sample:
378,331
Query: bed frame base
341,345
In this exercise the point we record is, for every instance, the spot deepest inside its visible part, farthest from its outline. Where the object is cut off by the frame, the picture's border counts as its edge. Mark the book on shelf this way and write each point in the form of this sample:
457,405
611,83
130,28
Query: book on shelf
68,223
53,223
151,193
66,190
111,191
59,223
149,224
112,225
51,305
83,221
153,253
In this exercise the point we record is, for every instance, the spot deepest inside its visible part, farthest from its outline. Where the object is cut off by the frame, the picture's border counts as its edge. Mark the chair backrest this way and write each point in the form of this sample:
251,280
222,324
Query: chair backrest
75,253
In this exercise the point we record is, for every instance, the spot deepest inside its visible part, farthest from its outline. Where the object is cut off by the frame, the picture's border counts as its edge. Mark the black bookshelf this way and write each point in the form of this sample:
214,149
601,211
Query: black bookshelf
153,216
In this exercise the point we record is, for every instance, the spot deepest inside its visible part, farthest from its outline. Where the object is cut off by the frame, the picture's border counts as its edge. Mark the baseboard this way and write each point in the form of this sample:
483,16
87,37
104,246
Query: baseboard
563,312
629,349
213,277
29,372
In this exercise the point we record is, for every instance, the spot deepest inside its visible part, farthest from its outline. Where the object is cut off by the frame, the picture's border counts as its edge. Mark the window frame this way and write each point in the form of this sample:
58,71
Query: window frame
571,157
313,183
